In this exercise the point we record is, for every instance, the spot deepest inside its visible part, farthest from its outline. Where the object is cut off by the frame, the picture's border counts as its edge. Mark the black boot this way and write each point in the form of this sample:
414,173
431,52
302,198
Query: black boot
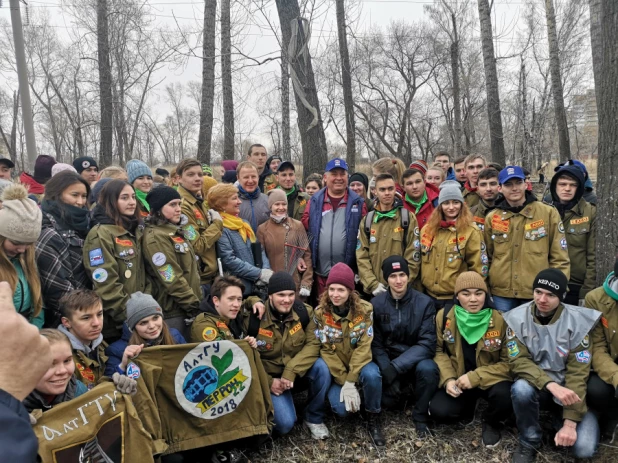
374,427
524,454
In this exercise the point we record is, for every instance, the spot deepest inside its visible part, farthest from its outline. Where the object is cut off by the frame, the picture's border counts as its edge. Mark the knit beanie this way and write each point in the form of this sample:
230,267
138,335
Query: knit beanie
394,264
43,168
469,280
162,172
83,163
281,281
420,165
276,195
229,164
137,168
209,182
96,189
341,274
160,196
552,280
450,190
207,170
61,167
20,217
140,306
360,177
230,176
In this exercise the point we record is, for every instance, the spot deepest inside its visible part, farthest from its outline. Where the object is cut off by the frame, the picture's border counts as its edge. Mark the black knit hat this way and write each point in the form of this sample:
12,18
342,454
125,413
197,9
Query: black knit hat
552,280
83,163
160,196
162,172
360,177
394,264
281,281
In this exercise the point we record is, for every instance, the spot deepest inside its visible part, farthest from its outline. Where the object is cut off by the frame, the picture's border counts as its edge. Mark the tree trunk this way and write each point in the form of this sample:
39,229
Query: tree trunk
494,114
285,106
105,86
605,59
226,81
208,82
456,97
556,83
312,136
348,102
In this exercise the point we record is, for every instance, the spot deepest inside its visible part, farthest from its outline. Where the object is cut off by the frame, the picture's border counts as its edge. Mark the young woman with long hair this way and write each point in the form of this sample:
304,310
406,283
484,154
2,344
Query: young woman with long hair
113,253
59,249
450,245
20,227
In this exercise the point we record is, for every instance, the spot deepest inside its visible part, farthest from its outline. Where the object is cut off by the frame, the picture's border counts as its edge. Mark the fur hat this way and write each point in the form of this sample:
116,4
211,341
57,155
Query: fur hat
20,217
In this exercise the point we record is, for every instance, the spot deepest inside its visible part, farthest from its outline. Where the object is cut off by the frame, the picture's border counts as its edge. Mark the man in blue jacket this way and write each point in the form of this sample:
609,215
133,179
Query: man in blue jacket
404,342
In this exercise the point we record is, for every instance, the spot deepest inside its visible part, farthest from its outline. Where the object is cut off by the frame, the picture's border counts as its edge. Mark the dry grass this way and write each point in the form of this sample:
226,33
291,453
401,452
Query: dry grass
349,442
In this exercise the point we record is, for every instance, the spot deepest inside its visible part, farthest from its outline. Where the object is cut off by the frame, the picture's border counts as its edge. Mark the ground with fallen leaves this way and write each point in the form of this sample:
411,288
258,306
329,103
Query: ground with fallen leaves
349,442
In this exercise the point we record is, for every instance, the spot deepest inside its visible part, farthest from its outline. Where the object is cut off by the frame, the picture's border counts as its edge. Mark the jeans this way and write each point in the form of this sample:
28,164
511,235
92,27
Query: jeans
504,304
320,379
527,403
285,413
371,385
425,377
444,407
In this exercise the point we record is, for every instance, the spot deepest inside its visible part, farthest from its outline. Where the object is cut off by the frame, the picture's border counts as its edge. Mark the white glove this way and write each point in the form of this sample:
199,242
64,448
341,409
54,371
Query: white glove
213,215
582,303
349,394
265,275
379,290
124,384
304,292
356,279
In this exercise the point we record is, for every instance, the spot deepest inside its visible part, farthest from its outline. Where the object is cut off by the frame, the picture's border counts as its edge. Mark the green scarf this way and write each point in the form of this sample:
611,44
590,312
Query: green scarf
381,215
472,326
139,194
288,193
609,286
420,203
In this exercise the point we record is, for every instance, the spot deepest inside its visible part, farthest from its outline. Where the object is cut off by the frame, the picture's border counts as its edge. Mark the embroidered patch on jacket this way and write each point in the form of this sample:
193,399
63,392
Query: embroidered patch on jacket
167,273
583,356
295,329
125,243
500,225
190,232
96,257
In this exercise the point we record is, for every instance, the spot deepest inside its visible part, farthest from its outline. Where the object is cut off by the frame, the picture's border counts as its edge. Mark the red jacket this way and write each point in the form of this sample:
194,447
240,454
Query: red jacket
422,217
34,187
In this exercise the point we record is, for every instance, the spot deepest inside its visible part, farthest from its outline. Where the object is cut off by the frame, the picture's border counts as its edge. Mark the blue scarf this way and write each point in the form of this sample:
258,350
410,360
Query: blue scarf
251,196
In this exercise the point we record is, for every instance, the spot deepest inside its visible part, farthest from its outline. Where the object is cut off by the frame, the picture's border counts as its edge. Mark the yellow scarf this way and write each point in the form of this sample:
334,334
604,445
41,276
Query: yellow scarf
236,223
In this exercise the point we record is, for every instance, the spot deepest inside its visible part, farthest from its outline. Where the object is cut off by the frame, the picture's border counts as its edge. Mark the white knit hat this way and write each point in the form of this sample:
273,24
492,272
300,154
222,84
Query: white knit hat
20,217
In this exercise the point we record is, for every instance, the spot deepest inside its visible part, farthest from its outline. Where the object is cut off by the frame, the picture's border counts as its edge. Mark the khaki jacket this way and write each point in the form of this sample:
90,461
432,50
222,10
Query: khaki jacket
479,212
471,198
450,253
386,239
604,339
202,235
90,371
114,262
492,365
210,327
345,342
171,264
286,350
270,183
580,230
520,245
576,378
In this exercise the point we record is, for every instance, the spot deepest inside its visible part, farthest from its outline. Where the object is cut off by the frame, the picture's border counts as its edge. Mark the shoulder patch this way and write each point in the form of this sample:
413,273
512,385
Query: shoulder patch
167,273
190,232
159,259
560,227
583,356
512,348
96,257
99,275
209,334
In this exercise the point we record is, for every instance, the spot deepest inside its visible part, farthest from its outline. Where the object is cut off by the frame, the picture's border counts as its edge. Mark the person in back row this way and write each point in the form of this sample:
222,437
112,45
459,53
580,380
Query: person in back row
87,168
388,230
443,158
267,180
474,164
489,193
254,203
421,197
460,170
549,353
450,245
405,341
140,177
473,359
579,219
523,237
35,183
297,200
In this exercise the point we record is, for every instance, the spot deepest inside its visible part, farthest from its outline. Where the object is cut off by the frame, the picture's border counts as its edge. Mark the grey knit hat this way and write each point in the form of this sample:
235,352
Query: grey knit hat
137,168
140,306
276,195
20,217
450,190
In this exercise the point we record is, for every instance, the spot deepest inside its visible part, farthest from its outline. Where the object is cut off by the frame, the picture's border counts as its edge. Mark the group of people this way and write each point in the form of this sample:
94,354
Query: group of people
443,283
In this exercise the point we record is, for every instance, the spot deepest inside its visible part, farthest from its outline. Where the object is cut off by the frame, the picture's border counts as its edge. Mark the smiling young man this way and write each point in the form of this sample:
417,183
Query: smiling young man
386,235
254,207
297,200
579,219
523,236
405,341
488,189
267,180
474,164
421,197
550,357
203,226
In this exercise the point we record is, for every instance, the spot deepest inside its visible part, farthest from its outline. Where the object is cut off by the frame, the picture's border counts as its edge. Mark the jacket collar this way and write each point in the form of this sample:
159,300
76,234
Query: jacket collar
78,345
186,195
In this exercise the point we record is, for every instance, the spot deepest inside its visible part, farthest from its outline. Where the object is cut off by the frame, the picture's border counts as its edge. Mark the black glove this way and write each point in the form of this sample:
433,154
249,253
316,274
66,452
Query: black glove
389,375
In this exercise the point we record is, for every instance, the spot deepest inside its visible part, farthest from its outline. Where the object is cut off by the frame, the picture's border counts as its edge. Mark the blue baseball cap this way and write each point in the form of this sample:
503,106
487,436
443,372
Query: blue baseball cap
336,163
510,172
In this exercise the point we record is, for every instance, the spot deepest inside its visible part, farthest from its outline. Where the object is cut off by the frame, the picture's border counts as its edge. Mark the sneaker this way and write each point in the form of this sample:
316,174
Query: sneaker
318,431
422,430
524,454
491,436
228,456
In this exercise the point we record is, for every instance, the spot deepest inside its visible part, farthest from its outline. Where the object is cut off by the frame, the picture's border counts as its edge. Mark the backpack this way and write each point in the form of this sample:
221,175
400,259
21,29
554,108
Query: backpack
298,307
405,224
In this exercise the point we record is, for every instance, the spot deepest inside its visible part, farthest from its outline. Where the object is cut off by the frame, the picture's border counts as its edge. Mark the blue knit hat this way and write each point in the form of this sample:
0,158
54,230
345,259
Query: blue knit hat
137,168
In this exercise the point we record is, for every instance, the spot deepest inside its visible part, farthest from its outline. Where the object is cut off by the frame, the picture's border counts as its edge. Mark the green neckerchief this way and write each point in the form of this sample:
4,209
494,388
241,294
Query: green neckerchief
139,194
420,203
472,326
381,215
609,287
288,193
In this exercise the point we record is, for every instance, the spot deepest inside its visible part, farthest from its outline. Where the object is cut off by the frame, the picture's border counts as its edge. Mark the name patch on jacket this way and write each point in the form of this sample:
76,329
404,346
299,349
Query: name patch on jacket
328,319
295,329
578,221
500,225
456,240
535,225
125,243
267,333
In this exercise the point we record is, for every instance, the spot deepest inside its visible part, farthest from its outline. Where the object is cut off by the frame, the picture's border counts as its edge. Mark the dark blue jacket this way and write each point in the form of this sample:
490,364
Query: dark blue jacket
352,222
404,330
115,350
17,439
450,174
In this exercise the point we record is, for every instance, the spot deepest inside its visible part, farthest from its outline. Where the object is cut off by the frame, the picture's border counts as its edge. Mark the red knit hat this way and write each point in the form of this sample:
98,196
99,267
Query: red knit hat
341,274
419,165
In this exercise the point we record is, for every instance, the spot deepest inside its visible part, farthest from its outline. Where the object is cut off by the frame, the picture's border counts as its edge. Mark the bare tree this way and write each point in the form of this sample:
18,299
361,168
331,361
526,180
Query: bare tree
226,81
208,82
8,131
105,84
